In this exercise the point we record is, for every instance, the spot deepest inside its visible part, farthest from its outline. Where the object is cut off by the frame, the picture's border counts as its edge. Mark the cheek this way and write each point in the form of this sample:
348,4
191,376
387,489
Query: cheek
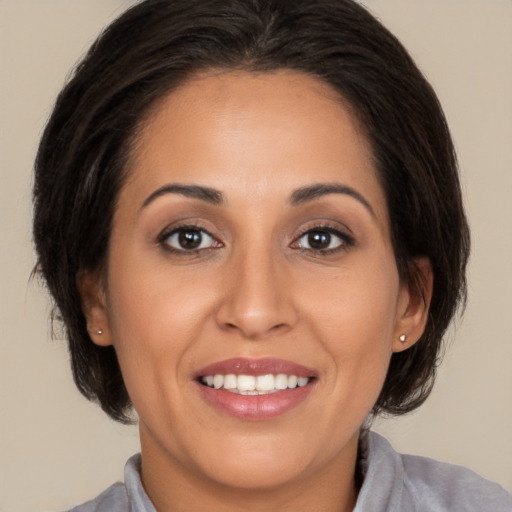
149,340
157,314
148,297
355,303
354,316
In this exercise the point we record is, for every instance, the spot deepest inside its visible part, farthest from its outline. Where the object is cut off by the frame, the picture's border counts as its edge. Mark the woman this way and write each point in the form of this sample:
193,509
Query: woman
249,216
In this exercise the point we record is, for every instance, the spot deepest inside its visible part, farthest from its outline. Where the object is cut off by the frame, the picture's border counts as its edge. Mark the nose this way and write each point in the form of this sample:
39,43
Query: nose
258,299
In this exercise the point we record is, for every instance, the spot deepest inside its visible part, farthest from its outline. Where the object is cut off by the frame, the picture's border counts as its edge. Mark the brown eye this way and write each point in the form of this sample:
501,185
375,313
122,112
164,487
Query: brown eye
322,240
319,239
189,239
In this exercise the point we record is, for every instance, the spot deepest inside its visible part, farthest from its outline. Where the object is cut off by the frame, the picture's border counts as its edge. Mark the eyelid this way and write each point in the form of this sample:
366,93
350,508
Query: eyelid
171,230
332,228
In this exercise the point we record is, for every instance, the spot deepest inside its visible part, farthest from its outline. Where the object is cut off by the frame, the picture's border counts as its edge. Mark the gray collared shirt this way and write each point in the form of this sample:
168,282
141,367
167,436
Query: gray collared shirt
392,483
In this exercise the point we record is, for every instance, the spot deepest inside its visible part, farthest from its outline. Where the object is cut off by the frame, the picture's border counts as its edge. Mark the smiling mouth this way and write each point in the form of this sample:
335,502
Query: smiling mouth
255,389
254,384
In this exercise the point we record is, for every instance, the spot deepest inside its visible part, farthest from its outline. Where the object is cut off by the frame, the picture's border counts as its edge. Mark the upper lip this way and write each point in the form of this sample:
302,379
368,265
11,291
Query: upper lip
247,366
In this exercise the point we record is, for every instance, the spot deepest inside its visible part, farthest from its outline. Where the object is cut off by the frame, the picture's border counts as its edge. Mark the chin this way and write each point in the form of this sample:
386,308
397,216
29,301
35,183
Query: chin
254,468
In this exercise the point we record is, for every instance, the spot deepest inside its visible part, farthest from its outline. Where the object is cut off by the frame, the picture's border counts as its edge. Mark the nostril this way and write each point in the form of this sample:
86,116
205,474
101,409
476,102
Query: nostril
254,317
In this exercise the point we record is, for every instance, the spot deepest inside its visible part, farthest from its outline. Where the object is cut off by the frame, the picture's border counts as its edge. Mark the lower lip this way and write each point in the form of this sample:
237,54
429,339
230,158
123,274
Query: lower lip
255,407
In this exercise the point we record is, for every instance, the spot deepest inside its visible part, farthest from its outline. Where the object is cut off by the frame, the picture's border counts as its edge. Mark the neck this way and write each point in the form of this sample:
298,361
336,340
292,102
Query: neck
174,487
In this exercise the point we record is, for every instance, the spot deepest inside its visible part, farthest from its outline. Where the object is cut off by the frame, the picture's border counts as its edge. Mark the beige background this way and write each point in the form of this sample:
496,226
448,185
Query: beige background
56,449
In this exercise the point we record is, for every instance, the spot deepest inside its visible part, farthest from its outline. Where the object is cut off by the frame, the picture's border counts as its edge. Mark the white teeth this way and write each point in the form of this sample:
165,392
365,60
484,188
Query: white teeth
254,385
246,383
265,382
302,381
281,381
230,381
218,381
292,381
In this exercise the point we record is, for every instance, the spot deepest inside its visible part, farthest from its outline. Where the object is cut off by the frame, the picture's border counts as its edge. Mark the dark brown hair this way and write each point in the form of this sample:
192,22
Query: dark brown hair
155,46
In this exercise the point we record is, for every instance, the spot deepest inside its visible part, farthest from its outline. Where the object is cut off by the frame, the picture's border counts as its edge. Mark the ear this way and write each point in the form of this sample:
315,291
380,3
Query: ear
94,305
413,304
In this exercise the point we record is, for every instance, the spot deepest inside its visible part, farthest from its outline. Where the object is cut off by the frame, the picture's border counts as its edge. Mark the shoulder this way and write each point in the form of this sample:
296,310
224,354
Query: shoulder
421,484
121,497
439,486
113,499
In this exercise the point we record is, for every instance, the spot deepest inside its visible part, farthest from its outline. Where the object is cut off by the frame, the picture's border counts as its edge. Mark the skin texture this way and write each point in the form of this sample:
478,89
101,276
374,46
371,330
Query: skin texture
256,289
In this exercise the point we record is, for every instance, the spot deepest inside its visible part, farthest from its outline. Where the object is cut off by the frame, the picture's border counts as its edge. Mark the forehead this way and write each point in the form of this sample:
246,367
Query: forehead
283,103
233,130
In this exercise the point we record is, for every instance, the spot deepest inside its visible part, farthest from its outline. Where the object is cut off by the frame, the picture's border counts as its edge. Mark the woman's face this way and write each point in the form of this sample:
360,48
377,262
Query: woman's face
252,294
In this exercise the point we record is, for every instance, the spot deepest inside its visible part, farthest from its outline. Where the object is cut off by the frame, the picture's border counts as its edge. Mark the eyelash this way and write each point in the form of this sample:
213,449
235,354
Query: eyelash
164,237
346,243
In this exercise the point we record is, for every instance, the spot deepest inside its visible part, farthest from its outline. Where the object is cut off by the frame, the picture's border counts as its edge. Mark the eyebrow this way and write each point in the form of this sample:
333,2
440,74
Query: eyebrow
207,194
305,194
299,196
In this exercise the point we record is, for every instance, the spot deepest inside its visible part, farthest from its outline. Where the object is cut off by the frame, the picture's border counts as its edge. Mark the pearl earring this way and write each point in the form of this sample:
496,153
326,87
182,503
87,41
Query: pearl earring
402,338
